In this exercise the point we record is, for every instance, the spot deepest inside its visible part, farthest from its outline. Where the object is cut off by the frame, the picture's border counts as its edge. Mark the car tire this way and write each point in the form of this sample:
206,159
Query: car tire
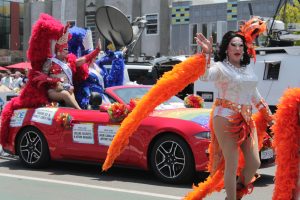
32,148
171,160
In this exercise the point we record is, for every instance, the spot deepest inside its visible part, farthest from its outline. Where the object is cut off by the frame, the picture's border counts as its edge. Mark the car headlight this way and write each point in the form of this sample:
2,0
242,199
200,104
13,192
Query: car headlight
203,135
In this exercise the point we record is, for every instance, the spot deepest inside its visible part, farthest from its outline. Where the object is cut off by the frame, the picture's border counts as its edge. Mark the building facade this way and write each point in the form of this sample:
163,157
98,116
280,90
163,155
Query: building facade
154,40
171,26
212,18
11,31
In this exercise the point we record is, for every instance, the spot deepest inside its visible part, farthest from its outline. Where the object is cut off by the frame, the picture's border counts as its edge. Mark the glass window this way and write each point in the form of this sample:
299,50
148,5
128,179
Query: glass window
126,94
193,32
72,23
21,27
4,24
272,70
204,30
152,24
214,32
21,10
141,76
4,41
194,49
5,8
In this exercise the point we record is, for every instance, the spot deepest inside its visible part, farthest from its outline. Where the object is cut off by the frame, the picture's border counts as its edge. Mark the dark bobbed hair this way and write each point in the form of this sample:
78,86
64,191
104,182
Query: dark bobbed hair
221,54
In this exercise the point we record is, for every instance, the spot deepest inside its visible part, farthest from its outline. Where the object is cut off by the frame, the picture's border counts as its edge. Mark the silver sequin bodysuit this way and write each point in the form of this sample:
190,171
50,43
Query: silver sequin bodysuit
235,84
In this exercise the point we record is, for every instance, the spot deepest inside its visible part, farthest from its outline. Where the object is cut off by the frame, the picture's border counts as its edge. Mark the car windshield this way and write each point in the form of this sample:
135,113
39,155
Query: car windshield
126,94
142,76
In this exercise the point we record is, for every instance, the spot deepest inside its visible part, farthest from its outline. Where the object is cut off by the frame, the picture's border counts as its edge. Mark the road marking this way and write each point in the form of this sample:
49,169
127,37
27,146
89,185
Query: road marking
91,186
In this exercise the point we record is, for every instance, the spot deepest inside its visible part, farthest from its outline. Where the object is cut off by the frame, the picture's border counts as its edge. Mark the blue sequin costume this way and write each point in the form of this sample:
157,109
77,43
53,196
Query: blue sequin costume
99,77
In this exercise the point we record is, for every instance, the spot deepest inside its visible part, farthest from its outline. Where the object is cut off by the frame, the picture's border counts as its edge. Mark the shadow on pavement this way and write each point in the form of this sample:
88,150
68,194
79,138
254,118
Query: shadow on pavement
93,171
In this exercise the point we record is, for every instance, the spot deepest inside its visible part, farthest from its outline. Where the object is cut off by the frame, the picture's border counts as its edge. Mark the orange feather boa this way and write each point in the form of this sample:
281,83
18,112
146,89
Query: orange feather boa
215,181
167,86
287,144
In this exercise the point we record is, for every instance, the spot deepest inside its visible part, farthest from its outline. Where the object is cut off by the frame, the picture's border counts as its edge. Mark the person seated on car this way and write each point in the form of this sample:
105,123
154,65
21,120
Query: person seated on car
61,68
98,77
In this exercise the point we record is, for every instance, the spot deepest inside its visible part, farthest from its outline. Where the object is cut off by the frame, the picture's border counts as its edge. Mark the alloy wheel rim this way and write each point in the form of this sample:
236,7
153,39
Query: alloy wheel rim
169,159
31,147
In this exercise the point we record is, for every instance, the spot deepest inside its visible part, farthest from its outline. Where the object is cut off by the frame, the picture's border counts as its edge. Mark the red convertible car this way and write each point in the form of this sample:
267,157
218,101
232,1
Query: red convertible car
172,141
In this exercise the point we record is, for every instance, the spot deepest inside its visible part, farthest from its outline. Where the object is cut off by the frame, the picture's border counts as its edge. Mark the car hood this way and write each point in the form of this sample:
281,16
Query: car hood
198,115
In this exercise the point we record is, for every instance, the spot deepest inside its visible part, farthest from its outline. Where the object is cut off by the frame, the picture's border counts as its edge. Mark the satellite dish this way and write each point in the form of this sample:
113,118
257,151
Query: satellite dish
114,26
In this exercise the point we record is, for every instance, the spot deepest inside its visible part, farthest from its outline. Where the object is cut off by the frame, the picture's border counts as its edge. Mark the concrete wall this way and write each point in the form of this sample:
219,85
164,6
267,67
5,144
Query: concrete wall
208,13
70,13
124,5
164,28
179,39
179,36
151,42
80,13
36,9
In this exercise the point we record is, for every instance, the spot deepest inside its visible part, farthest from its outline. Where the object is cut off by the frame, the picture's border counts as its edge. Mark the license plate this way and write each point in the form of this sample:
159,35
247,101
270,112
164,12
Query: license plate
267,154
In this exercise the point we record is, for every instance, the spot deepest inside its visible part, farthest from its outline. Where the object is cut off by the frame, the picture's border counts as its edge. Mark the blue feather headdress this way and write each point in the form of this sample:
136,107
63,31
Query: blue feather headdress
81,42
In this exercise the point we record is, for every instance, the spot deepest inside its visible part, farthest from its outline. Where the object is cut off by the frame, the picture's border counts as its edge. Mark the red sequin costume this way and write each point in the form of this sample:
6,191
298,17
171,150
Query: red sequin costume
34,94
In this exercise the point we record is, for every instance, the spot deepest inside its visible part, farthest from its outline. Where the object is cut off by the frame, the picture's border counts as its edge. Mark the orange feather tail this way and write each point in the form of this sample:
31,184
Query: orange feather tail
211,184
167,86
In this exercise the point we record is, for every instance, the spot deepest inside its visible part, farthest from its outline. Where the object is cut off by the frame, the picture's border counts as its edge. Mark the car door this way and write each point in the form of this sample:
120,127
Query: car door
90,136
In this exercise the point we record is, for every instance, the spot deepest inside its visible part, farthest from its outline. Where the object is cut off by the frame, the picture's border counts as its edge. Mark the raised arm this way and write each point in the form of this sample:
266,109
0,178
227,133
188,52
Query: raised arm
212,72
89,57
204,43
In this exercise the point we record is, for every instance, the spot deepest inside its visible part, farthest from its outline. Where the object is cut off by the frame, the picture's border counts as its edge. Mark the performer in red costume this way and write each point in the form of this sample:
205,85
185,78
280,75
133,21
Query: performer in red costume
59,67
35,93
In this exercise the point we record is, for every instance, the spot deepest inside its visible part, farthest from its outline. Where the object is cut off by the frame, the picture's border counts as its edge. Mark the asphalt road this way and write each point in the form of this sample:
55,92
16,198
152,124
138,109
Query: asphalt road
75,181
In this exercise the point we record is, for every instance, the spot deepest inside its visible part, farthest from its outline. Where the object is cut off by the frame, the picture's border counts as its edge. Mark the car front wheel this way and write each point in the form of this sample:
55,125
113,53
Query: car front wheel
32,148
172,160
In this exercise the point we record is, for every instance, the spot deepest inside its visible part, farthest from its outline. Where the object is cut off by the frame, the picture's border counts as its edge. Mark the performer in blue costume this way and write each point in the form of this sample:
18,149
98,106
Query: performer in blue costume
99,77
